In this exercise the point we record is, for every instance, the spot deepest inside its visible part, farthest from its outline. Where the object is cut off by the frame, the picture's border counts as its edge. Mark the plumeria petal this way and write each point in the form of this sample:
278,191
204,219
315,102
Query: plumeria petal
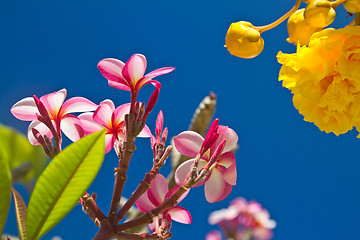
226,133
159,71
158,189
78,104
142,82
111,69
215,186
120,86
104,112
71,127
25,109
120,112
53,101
230,174
88,124
179,214
188,143
134,68
226,159
182,172
144,204
109,142
41,128
145,132
173,190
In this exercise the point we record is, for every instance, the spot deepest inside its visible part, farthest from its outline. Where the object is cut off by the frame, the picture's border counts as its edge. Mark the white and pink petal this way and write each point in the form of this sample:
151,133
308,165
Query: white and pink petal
158,189
188,143
25,109
88,124
71,126
53,101
179,214
104,112
144,204
134,68
215,187
78,104
111,69
41,128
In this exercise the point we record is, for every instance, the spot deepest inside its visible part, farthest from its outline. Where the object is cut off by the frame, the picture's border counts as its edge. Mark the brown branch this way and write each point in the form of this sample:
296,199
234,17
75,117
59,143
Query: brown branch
144,184
147,217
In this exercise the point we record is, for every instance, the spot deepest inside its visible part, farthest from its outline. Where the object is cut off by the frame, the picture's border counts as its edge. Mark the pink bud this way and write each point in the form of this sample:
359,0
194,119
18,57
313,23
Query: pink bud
164,136
151,103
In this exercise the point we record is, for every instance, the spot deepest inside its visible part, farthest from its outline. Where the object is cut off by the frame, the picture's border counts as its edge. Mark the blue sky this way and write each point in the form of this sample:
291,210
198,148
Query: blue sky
307,179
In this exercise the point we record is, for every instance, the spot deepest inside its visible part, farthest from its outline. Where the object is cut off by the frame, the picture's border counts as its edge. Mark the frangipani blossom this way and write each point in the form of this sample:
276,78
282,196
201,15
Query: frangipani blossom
156,194
106,116
223,174
129,76
241,218
58,111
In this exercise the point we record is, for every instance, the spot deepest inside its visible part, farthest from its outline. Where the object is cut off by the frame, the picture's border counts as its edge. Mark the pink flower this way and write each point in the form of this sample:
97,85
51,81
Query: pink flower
241,217
130,76
223,172
156,194
106,116
57,110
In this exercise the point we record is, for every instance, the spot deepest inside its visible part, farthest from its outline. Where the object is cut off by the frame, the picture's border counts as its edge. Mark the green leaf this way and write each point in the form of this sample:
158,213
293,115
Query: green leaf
63,182
20,209
5,190
21,155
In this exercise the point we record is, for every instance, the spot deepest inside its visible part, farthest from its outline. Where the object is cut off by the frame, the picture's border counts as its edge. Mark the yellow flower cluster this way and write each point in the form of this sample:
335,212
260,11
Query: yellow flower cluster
325,79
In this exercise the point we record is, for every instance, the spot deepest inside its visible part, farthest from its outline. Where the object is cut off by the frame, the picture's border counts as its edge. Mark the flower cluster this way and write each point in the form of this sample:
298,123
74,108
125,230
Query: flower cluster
212,164
325,79
211,157
244,40
242,220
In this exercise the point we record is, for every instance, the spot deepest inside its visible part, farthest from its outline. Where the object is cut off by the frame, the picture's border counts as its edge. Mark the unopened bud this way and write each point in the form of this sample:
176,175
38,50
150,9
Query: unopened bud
319,13
243,40
299,31
352,6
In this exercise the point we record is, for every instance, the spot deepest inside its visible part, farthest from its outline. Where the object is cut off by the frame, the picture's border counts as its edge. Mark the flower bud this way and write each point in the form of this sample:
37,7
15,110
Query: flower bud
319,13
243,40
299,31
352,6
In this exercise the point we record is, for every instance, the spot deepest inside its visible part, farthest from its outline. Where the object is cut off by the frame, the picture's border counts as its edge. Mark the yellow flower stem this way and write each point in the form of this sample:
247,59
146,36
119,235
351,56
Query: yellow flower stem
357,19
280,20
336,3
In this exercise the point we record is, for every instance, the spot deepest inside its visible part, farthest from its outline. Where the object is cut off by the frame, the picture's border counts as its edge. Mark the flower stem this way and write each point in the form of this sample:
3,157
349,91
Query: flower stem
120,178
336,3
144,184
280,20
147,217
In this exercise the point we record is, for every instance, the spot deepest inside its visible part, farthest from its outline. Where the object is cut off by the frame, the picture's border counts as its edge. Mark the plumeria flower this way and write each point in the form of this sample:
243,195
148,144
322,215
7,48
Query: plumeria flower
155,195
219,182
111,118
58,111
129,76
244,218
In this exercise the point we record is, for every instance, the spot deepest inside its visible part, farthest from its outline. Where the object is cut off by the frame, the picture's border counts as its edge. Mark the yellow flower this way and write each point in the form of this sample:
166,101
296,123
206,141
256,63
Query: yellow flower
325,79
243,40
299,31
319,13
